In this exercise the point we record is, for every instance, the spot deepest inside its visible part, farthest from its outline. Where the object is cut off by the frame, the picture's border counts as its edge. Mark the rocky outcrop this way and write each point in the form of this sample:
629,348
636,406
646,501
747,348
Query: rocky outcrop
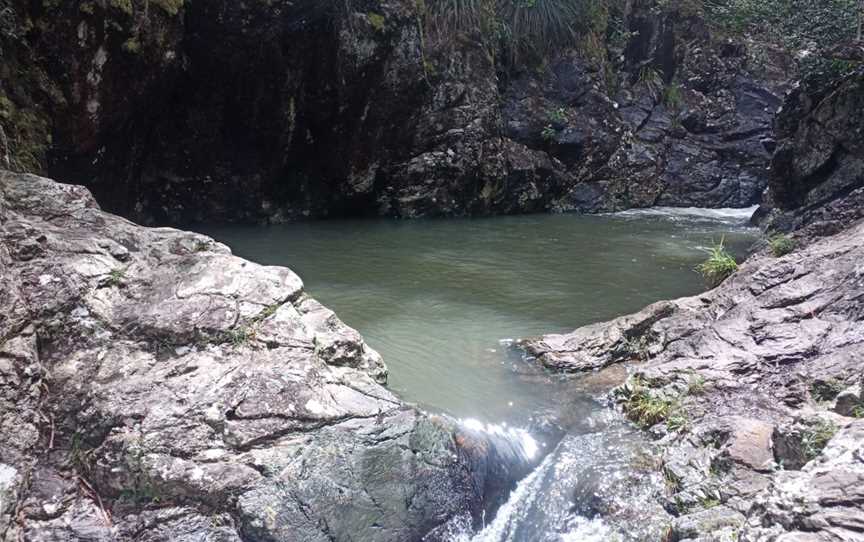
174,111
753,388
155,387
818,167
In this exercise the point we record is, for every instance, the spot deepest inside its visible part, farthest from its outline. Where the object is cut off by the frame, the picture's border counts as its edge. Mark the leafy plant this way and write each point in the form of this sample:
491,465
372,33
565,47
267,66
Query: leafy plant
781,245
557,116
652,81
719,265
696,384
827,390
116,277
549,132
815,437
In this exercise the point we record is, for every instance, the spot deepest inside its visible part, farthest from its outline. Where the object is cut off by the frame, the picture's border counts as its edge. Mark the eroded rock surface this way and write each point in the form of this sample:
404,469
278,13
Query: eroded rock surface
155,387
178,111
753,389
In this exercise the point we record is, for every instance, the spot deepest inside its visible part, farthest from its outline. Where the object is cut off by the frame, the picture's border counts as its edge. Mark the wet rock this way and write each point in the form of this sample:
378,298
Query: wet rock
179,392
599,484
422,124
746,376
9,483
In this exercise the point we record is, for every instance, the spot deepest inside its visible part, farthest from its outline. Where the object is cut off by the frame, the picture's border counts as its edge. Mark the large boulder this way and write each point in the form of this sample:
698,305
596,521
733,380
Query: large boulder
752,388
155,387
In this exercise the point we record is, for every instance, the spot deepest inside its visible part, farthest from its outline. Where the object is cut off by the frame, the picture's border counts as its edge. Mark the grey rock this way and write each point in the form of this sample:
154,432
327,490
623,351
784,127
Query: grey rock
178,392
758,437
850,402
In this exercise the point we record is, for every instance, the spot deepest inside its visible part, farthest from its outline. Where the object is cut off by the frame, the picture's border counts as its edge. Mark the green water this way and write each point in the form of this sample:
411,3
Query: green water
439,299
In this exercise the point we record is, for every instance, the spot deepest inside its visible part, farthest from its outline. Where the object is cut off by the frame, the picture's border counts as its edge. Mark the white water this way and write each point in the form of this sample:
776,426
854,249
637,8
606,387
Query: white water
694,214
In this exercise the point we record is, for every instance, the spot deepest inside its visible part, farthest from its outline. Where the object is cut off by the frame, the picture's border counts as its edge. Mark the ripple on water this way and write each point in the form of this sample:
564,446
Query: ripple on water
436,297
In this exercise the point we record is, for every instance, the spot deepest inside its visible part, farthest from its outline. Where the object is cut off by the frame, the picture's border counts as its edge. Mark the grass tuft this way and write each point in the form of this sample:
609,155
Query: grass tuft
816,437
239,336
646,409
824,391
116,277
719,266
781,245
696,384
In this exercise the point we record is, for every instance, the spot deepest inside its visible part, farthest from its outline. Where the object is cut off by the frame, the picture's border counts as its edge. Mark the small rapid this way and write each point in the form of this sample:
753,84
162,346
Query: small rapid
441,300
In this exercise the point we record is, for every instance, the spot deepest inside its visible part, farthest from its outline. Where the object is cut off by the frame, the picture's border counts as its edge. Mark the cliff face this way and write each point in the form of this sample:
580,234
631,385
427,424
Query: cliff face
754,388
155,387
175,111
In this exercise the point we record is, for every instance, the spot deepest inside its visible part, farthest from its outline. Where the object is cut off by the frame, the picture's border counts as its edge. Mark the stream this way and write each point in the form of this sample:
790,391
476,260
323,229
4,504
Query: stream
442,301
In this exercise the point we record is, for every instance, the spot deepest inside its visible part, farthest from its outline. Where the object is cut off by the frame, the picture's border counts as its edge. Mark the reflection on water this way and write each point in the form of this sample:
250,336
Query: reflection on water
441,298
442,301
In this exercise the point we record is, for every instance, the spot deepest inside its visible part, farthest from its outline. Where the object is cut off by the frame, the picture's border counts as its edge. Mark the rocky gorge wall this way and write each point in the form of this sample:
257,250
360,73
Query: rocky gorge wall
175,111
754,389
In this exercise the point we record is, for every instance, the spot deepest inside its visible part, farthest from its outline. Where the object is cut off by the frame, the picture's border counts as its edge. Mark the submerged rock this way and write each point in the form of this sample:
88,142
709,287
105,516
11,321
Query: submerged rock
155,387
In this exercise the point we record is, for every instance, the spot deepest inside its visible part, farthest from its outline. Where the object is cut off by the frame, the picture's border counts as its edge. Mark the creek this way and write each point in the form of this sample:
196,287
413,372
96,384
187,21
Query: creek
443,300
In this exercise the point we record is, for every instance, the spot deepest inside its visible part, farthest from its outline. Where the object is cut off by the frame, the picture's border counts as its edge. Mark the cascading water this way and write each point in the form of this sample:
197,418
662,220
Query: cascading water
437,297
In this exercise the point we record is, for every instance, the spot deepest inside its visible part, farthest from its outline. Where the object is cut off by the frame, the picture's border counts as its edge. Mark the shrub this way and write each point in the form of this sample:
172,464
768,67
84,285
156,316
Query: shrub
795,24
815,437
696,384
647,409
548,133
781,245
827,390
116,277
719,265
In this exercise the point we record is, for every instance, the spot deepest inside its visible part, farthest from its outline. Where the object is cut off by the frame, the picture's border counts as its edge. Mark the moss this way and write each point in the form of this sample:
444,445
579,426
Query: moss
123,5
781,245
377,21
171,7
29,135
132,46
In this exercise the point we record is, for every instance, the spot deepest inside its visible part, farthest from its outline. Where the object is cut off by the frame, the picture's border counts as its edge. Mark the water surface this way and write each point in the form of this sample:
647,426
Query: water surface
440,299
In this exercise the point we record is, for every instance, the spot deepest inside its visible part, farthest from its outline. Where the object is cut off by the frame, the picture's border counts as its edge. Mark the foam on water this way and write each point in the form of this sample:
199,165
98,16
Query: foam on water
694,214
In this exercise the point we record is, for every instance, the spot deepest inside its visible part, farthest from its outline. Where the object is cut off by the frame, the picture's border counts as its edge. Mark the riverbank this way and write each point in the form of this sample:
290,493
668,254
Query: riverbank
753,390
